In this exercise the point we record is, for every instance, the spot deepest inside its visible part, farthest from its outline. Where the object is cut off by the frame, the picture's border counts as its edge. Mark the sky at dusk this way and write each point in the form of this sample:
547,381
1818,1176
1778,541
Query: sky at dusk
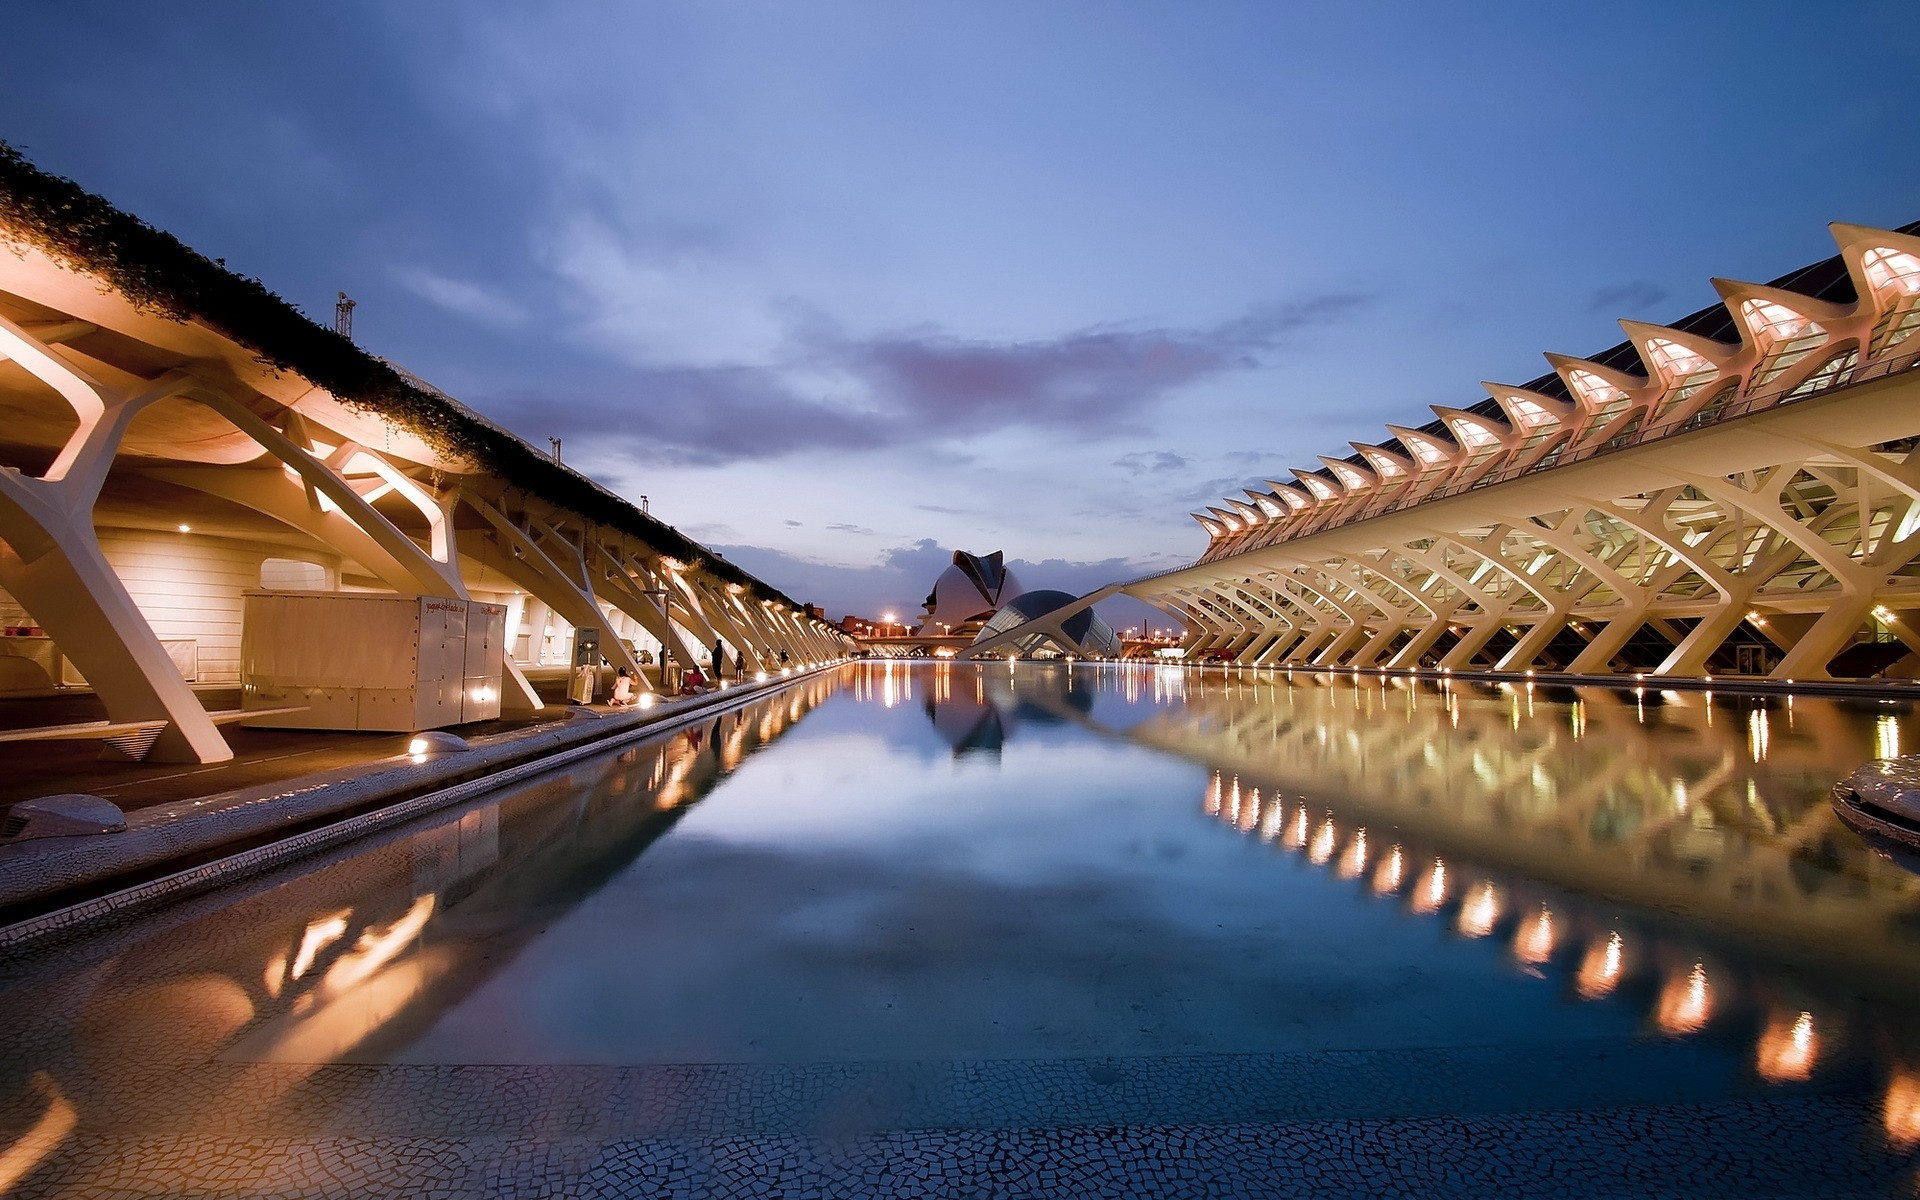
841,287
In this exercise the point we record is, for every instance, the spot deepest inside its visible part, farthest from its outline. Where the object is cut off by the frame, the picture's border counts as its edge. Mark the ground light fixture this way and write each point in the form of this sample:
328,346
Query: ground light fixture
435,741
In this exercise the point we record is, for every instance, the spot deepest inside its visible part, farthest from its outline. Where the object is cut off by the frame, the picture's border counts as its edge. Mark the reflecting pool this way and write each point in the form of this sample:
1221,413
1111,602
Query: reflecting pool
956,897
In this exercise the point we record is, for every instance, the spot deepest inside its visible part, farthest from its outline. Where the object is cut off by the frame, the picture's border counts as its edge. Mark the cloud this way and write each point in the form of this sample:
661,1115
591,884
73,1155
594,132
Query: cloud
790,523
842,527
479,304
905,388
1151,462
1626,299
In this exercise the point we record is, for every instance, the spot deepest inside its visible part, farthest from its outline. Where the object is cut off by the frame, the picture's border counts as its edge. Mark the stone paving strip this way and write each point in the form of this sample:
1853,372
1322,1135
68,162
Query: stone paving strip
782,1100
1799,1147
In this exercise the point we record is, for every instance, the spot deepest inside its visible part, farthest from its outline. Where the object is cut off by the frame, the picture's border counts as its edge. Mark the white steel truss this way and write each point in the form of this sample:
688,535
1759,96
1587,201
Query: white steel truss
1738,508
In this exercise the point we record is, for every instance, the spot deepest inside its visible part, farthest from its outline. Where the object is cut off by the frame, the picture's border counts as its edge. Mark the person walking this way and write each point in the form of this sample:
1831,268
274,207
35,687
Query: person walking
739,664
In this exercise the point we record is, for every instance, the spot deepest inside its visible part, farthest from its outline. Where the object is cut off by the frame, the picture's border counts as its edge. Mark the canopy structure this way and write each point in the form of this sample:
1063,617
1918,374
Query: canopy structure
174,435
1736,493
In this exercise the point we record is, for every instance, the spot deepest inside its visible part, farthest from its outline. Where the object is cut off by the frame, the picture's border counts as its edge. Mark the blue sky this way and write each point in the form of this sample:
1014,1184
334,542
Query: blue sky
843,286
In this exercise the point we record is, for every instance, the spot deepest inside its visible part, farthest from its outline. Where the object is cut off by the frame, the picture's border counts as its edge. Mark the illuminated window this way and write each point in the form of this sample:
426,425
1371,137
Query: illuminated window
1384,464
1600,396
1832,373
1268,505
1892,271
1319,487
1683,371
1529,414
1784,337
1895,279
1430,454
1352,478
1479,441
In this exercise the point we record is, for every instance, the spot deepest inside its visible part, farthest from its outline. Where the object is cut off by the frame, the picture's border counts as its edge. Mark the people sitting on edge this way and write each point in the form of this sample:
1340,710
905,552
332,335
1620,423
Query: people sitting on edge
622,689
783,658
693,682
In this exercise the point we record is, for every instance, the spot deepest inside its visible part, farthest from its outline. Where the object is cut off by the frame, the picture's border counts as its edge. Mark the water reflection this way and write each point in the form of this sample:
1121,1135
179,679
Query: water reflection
976,710
1707,809
1656,856
313,965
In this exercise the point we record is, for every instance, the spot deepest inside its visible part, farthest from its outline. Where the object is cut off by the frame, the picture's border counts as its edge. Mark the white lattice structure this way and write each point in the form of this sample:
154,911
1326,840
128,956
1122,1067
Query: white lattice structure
1738,493
152,469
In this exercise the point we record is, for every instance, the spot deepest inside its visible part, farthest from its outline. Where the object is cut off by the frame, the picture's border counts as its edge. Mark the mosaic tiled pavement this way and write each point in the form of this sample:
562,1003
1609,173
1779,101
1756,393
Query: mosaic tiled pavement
1386,1123
1721,1150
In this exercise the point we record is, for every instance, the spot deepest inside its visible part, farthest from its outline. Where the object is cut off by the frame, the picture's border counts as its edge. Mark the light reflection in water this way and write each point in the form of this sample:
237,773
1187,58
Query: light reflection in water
1297,835
1686,1002
1273,820
1533,944
1387,880
1322,849
1600,969
1354,861
1787,1049
1900,1111
1480,911
1431,892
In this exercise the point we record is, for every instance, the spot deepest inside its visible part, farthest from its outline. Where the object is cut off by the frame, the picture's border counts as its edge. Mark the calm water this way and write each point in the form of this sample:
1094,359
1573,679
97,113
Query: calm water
941,864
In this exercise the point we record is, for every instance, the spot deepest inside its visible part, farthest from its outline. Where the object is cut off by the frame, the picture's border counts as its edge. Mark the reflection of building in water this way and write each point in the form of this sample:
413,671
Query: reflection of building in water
1670,852
353,960
1667,800
977,709
1482,809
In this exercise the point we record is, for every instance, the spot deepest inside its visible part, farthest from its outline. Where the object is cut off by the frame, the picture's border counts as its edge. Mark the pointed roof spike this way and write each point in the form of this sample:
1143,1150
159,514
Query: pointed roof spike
1354,477
1873,287
1425,445
1733,291
1849,236
1246,511
1483,425
1386,463
1270,506
1565,364
1640,333
1527,409
1293,497
1318,484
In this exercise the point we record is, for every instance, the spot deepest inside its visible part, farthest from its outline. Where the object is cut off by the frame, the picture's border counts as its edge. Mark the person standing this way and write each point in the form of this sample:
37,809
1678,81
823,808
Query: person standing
719,660
739,664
